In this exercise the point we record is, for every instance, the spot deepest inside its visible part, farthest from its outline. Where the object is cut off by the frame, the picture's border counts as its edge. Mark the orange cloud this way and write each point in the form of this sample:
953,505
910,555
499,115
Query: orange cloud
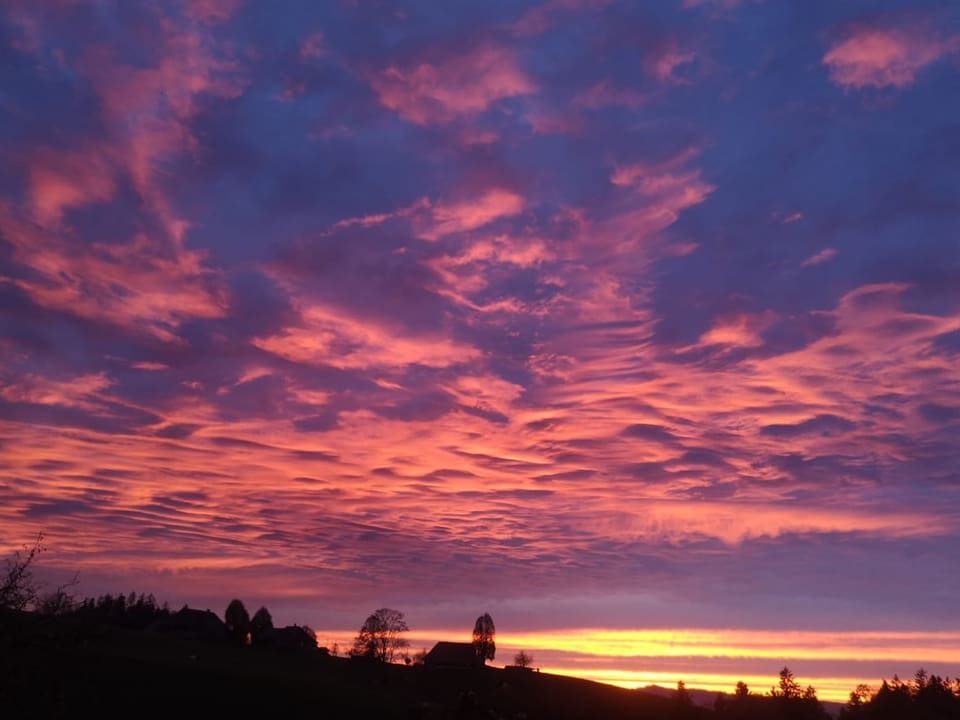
881,57
329,337
743,330
463,85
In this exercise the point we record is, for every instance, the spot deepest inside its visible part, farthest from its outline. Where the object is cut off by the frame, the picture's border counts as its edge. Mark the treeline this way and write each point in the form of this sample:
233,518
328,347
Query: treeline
926,697
132,611
789,700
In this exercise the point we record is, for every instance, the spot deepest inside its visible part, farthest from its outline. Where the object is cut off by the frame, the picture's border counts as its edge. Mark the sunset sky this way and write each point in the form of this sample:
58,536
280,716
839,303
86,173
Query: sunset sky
634,324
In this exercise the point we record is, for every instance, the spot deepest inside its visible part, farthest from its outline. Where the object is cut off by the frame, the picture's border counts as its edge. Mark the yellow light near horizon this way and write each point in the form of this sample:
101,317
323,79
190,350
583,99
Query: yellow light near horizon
592,653
812,645
833,689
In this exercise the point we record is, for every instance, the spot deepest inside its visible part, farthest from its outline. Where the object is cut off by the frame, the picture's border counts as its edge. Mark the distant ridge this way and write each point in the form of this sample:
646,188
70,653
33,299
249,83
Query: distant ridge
706,698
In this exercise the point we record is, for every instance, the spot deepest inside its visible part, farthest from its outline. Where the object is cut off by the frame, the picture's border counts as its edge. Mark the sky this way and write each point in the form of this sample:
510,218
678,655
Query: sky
636,325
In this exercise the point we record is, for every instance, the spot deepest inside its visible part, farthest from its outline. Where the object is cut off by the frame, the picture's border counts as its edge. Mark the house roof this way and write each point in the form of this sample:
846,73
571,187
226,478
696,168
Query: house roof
453,654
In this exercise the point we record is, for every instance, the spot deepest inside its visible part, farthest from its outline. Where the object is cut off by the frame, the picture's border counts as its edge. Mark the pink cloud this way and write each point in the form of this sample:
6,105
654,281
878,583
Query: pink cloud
139,284
461,216
458,86
149,107
885,57
64,179
744,330
821,257
327,336
468,272
433,220
148,281
74,392
668,186
373,219
664,66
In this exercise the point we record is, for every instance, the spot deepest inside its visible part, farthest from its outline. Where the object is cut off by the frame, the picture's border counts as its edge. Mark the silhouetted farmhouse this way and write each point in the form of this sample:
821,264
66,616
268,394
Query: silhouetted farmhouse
292,637
453,655
193,624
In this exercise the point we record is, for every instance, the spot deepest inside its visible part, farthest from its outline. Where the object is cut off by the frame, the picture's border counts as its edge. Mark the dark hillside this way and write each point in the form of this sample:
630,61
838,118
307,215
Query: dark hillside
58,668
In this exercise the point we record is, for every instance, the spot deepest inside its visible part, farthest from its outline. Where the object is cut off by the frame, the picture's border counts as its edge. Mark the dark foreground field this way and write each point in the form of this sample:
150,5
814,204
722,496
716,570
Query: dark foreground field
68,667
55,668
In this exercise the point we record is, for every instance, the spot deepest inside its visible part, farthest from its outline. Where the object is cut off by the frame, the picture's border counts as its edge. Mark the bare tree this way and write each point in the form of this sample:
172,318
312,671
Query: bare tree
523,659
18,589
59,601
381,637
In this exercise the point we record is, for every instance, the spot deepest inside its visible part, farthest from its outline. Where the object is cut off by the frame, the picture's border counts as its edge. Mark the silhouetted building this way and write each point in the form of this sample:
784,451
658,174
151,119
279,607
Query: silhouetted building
291,637
193,624
453,655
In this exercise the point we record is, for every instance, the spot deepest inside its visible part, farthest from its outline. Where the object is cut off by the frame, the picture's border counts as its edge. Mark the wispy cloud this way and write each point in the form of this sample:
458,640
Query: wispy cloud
886,57
454,85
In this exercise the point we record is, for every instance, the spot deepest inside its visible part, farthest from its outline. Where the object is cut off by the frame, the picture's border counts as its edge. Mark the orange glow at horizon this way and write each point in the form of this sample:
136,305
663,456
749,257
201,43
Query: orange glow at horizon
617,657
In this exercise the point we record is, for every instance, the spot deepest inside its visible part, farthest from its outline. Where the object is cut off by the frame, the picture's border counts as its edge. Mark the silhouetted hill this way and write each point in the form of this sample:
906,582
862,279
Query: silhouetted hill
59,667
182,665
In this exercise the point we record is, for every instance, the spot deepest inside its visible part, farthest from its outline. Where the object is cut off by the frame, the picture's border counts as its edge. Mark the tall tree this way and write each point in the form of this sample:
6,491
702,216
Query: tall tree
260,625
484,643
788,687
381,636
238,622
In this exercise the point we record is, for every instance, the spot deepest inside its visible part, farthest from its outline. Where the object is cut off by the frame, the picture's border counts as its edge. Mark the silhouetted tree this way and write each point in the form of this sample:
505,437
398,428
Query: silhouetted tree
682,702
260,625
484,642
794,703
238,621
856,705
788,687
927,697
381,636
741,691
57,602
523,659
18,589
